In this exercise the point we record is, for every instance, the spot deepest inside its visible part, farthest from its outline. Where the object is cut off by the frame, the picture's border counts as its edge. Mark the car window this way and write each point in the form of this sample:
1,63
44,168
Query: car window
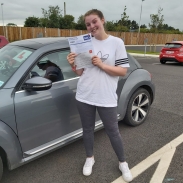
11,58
172,45
54,66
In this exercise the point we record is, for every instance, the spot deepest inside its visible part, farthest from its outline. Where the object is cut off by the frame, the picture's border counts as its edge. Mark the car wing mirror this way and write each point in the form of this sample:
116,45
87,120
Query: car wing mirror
37,84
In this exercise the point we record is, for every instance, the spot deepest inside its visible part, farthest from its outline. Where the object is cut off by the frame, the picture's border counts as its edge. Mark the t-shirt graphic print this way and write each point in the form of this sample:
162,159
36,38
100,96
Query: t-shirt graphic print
102,57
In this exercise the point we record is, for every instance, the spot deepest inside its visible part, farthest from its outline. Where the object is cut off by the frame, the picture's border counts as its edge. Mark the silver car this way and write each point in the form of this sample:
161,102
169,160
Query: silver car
38,111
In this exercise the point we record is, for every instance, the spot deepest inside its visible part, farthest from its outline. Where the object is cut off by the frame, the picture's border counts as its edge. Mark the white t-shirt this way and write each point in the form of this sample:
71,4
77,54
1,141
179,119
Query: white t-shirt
96,87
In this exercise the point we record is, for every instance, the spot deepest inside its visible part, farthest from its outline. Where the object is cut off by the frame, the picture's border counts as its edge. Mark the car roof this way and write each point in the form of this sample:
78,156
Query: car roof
2,36
37,43
179,42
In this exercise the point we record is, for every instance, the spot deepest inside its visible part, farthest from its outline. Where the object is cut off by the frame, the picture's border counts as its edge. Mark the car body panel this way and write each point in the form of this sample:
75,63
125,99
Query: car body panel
10,144
138,78
43,116
7,114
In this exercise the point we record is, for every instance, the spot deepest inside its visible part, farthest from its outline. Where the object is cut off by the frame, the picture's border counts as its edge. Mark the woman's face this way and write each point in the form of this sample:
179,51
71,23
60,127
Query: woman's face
94,25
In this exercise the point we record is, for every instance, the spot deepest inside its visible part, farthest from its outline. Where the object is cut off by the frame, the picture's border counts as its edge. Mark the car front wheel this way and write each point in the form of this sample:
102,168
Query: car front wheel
1,168
138,107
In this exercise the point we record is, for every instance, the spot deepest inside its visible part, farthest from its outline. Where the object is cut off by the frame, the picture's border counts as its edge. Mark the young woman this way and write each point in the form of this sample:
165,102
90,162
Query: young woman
96,89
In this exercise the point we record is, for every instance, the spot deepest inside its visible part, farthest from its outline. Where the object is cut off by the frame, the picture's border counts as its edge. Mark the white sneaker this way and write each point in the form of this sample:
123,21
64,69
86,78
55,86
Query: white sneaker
126,173
87,168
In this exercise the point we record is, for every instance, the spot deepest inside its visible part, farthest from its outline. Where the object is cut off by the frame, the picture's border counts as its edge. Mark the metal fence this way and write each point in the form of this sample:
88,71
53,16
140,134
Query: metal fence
129,38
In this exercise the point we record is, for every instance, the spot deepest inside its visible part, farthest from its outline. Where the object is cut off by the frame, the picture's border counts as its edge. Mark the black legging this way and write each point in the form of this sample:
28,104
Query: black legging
108,116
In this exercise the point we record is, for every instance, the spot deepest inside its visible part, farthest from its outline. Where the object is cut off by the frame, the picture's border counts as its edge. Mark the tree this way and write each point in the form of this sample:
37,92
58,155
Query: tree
144,30
67,22
11,24
143,26
156,21
123,25
110,26
124,18
134,25
80,23
31,22
43,22
121,28
51,17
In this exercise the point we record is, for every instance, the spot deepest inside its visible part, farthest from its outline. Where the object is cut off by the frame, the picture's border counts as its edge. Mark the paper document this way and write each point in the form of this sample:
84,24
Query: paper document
83,47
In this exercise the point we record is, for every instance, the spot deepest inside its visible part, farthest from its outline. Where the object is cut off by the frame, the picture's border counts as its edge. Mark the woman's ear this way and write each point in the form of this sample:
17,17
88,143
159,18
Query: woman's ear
103,21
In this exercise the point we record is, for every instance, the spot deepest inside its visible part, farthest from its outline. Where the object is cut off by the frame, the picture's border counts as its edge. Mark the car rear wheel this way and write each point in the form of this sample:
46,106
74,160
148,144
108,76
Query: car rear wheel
1,168
162,61
138,107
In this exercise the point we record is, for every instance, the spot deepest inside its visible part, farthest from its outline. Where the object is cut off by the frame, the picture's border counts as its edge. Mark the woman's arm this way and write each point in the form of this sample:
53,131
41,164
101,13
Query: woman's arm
111,70
114,70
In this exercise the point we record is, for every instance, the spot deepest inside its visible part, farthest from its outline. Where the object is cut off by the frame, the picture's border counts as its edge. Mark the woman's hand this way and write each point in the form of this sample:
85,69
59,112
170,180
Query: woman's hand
71,58
97,61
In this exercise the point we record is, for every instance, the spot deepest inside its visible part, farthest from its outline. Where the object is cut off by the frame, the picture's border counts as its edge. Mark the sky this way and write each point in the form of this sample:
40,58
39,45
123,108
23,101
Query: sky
16,11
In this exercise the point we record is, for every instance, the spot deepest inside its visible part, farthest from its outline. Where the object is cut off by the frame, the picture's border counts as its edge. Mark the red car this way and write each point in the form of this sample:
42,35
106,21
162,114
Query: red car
3,41
172,52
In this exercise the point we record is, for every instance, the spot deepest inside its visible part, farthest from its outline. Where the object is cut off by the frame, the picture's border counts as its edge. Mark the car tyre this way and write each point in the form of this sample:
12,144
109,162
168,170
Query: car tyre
138,107
1,168
162,61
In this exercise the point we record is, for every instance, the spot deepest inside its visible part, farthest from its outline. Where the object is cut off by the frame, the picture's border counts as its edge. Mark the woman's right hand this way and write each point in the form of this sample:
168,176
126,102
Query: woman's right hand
71,58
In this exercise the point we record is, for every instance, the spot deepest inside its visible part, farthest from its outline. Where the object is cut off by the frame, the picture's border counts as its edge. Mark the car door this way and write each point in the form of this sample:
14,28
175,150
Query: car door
43,116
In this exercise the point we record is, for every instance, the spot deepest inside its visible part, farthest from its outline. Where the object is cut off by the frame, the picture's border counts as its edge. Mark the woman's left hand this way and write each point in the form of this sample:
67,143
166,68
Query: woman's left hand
97,61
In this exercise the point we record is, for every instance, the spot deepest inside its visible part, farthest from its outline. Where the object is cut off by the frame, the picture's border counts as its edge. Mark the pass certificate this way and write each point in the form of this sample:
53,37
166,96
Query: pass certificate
83,47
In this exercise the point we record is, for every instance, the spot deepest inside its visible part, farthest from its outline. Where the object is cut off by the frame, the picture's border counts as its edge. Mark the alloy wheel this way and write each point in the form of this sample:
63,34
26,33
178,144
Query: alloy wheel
140,107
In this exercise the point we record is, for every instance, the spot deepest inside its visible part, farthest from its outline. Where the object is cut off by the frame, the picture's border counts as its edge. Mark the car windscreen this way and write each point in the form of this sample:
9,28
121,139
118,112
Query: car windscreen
11,58
172,45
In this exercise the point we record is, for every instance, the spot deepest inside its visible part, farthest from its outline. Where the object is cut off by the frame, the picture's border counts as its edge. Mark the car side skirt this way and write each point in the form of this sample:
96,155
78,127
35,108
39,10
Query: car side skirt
55,144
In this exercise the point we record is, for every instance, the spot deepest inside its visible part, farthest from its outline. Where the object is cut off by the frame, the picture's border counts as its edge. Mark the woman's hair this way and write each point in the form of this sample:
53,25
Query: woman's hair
94,12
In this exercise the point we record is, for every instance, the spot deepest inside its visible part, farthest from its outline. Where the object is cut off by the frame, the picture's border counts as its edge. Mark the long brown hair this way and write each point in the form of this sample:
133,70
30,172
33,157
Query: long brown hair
94,12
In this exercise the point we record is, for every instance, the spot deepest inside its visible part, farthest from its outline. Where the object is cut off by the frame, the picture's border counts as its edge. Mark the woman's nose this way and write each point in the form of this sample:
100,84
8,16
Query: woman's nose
91,25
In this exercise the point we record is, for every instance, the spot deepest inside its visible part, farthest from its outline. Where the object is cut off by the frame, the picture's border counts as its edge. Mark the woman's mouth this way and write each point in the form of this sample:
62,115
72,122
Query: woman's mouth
94,30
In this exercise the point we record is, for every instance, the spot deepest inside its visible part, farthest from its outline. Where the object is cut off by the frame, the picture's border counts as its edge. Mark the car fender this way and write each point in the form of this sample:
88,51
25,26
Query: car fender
138,78
10,144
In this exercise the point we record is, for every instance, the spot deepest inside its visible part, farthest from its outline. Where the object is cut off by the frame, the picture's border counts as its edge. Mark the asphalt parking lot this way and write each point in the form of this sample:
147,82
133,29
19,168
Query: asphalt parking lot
164,124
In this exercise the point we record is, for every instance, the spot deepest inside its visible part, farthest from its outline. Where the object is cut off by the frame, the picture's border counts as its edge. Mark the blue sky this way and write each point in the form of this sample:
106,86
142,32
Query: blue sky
16,11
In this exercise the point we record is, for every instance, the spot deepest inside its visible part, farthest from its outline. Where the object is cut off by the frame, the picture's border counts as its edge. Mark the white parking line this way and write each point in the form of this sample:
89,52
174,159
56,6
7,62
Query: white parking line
163,166
165,155
156,64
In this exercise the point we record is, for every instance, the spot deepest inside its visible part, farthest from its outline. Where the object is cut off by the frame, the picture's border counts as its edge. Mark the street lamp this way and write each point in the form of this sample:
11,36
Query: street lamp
140,20
2,16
